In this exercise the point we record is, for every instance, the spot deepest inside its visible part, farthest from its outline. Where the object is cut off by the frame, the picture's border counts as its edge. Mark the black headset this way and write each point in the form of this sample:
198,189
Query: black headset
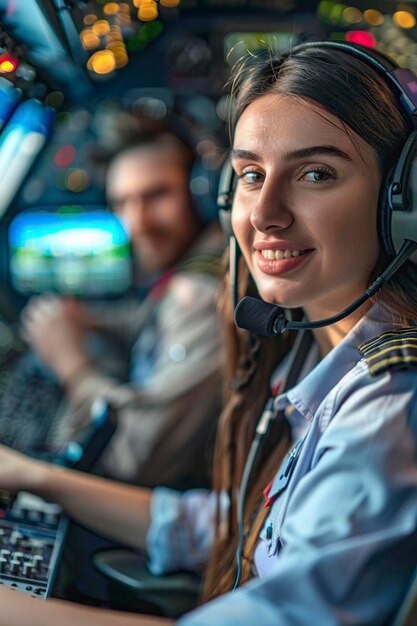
203,187
397,212
204,174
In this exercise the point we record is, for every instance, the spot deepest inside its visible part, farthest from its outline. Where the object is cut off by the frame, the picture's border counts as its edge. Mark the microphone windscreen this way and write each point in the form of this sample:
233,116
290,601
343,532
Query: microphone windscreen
259,317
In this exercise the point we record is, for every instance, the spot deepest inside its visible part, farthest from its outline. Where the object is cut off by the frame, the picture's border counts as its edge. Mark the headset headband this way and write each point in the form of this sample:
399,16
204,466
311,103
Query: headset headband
402,80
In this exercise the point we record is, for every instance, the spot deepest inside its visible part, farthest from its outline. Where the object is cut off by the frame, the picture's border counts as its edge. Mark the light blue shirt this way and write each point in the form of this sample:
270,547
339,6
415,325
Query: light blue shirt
344,531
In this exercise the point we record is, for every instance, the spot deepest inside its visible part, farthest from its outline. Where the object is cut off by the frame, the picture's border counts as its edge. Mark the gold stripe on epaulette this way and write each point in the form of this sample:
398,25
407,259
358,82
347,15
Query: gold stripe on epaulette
389,349
396,349
411,331
382,366
376,347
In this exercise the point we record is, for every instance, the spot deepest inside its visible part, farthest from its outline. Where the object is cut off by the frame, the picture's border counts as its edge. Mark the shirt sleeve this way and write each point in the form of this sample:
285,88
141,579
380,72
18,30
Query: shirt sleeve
349,536
181,531
182,398
123,321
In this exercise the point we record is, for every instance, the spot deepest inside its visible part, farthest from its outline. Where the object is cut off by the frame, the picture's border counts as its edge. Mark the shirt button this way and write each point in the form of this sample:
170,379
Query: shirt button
177,352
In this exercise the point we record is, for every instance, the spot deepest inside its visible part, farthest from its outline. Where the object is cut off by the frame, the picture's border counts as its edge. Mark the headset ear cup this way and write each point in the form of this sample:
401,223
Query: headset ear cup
225,219
384,218
203,189
404,223
400,201
225,197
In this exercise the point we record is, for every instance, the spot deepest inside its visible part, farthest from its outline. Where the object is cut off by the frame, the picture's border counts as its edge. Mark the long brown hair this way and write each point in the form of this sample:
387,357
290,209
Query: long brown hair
251,360
327,78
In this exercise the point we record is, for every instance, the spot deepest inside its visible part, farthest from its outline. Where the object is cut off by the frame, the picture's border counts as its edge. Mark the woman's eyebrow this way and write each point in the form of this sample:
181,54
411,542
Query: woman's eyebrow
237,153
317,151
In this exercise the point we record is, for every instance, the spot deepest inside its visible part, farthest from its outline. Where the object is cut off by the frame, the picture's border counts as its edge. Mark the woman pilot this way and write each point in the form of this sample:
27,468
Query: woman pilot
323,515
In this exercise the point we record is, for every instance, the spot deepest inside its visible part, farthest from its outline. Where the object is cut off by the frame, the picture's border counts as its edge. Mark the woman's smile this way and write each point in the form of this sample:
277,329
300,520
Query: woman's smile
280,258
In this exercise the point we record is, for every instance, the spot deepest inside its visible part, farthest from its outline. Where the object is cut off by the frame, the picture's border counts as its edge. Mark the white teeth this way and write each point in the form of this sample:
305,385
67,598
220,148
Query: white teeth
277,255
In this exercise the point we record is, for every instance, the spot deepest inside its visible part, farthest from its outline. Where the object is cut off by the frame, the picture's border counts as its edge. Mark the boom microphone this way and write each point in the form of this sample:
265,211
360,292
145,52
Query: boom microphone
267,319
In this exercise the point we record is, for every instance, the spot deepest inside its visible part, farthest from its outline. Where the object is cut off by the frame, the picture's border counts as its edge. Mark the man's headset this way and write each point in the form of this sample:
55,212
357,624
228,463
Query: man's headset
397,211
203,187
204,173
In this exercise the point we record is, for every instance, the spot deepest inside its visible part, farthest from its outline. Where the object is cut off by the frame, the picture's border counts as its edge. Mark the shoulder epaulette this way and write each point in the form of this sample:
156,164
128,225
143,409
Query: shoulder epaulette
395,349
209,263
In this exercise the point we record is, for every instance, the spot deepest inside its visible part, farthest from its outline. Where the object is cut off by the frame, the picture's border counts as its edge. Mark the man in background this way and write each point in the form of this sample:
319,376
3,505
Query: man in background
169,400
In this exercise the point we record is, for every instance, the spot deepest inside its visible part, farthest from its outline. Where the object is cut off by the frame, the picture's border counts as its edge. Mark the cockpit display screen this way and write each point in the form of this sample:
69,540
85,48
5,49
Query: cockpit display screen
85,253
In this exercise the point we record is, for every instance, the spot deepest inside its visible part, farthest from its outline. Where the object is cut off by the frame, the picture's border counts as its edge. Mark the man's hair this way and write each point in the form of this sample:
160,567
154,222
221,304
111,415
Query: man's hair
123,132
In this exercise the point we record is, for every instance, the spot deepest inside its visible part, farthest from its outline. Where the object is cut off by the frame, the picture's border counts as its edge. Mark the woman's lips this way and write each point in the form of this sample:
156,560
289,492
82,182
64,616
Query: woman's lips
276,267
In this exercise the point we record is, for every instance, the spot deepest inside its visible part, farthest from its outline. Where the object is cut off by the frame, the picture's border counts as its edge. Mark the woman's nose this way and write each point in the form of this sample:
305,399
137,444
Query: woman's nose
272,210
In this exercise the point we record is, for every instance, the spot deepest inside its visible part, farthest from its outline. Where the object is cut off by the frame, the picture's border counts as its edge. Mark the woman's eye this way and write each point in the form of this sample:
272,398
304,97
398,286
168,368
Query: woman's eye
251,177
318,175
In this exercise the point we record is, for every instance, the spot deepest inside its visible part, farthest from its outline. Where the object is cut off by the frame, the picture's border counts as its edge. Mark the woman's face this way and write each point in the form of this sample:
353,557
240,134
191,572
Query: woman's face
305,206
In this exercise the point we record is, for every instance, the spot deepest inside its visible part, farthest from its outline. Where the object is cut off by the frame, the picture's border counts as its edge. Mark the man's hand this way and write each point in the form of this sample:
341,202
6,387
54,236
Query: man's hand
56,328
